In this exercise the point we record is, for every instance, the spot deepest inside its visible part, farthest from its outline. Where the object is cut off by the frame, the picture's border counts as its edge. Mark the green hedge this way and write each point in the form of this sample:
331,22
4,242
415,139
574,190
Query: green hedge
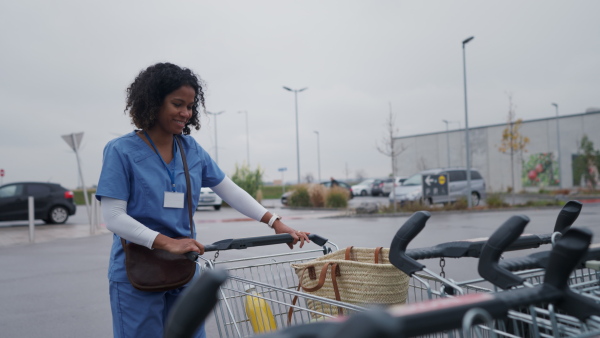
78,196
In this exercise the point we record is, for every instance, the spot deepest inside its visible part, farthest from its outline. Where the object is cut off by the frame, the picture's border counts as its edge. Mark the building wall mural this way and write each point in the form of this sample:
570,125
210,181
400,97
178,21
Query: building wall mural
540,170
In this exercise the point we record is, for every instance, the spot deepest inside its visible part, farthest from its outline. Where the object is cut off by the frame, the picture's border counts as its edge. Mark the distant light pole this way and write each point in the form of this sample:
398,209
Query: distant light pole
560,185
247,138
216,139
470,203
447,141
296,91
318,153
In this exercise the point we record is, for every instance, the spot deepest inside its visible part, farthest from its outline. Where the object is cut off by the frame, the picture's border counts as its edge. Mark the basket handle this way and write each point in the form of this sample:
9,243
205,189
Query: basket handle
378,252
335,272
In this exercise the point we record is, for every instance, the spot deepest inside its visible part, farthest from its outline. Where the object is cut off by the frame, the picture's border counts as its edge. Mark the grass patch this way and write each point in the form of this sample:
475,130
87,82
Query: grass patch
274,191
495,201
78,196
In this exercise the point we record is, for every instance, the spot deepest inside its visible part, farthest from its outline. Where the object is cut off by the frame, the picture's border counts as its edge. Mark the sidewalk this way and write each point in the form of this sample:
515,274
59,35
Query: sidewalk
15,235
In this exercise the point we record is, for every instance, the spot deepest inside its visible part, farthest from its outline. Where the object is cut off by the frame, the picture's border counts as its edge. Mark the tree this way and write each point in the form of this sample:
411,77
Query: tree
587,163
388,147
250,181
513,142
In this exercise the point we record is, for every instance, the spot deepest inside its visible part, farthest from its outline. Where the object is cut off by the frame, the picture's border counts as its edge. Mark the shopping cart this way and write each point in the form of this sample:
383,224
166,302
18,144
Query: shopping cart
261,293
439,315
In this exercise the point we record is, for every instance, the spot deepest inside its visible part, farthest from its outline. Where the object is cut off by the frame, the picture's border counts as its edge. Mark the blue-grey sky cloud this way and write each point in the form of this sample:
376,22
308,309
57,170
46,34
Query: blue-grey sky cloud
65,65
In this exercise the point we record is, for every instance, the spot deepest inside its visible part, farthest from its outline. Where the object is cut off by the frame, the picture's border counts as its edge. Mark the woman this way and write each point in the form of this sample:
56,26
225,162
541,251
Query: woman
142,188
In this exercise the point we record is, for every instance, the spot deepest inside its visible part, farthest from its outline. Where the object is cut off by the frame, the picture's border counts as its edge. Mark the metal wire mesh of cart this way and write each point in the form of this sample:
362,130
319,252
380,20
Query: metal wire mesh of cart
260,291
533,321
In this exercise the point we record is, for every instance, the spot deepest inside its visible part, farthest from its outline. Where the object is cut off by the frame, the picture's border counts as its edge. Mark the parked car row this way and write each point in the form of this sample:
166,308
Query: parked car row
376,187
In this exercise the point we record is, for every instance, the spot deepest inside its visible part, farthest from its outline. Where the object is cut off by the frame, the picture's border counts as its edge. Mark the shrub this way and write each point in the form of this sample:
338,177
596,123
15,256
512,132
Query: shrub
259,195
299,197
337,198
249,180
495,201
317,194
460,204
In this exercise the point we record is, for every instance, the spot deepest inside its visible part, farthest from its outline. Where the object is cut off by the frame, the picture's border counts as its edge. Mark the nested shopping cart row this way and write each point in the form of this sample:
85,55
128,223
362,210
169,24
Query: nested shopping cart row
261,294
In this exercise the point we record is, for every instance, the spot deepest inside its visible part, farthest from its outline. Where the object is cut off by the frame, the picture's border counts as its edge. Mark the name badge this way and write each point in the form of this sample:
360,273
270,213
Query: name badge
173,200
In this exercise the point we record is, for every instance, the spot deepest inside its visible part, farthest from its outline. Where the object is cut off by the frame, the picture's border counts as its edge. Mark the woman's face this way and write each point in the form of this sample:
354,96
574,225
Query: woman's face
175,111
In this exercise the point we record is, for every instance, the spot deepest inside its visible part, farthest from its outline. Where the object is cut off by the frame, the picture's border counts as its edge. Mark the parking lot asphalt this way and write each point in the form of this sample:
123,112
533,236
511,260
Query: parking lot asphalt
14,233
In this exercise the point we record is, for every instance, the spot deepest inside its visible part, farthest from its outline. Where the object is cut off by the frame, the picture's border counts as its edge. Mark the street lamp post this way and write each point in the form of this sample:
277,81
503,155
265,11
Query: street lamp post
560,185
247,138
216,139
469,201
447,141
318,153
296,91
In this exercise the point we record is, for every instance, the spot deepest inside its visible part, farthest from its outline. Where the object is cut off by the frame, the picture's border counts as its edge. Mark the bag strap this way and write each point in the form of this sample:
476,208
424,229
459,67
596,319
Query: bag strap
188,186
378,252
335,271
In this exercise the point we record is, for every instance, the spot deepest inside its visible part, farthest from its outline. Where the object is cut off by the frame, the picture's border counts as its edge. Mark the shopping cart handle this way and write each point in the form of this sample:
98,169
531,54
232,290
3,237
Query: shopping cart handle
409,230
540,260
501,239
567,216
243,243
194,304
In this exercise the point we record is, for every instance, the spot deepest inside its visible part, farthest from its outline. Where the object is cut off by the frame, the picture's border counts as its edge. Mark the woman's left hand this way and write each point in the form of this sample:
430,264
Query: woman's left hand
302,236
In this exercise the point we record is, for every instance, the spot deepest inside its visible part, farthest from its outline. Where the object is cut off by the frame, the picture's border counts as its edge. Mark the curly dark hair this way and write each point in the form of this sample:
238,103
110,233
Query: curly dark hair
146,94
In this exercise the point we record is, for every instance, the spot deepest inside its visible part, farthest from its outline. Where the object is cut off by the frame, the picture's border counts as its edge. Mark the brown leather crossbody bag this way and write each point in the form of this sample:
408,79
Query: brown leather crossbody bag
159,270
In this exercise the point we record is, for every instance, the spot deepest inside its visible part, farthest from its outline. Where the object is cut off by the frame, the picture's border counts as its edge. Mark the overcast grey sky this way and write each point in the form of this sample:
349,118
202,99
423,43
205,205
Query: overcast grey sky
65,65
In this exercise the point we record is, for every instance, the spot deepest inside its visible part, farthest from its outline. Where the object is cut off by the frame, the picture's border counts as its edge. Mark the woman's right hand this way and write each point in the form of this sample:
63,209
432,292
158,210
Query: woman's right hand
177,245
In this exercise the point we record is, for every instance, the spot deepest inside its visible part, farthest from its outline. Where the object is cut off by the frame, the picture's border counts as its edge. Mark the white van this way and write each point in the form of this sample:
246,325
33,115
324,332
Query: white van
412,188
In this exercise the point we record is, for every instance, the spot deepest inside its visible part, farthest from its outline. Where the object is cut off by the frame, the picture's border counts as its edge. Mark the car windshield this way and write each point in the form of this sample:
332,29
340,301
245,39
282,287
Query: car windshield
366,182
414,180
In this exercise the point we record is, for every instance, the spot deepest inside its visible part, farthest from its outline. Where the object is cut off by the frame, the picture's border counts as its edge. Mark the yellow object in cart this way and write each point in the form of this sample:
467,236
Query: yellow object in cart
259,312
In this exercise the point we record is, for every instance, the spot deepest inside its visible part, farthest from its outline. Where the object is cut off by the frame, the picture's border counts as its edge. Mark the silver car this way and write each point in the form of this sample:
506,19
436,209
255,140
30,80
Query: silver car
412,188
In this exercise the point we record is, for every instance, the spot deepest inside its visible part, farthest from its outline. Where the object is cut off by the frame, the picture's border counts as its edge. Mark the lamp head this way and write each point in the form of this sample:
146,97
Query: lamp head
465,41
286,88
554,104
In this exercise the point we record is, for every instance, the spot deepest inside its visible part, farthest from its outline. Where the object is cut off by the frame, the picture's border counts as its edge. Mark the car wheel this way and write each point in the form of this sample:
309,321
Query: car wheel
217,207
475,199
363,193
57,215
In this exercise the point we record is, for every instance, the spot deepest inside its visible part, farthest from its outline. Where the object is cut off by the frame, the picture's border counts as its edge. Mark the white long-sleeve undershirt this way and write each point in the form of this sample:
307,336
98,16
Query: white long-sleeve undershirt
114,212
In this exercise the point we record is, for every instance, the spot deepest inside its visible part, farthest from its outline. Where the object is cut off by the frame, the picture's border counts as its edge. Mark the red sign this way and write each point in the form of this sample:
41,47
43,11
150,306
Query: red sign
1,172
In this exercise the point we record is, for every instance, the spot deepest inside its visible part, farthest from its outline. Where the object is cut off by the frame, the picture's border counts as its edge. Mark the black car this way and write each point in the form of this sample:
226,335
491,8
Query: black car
377,187
52,203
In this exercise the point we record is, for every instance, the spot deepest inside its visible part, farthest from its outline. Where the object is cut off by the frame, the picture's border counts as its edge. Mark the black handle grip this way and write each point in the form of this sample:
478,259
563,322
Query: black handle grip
567,216
501,239
194,305
524,263
243,243
404,235
565,255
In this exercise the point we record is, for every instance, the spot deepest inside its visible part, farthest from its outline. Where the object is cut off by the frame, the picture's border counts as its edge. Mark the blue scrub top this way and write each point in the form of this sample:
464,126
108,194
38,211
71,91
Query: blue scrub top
133,172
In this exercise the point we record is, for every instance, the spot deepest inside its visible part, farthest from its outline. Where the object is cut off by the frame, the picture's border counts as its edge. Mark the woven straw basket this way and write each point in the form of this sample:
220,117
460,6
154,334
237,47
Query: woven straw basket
359,280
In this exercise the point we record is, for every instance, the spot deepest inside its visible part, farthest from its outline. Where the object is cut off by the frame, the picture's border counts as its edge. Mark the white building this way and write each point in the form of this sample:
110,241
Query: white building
535,169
